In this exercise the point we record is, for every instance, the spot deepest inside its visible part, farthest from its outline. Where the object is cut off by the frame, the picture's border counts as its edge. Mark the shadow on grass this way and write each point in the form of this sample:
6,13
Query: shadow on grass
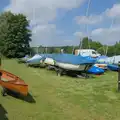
3,113
29,98
82,75
36,66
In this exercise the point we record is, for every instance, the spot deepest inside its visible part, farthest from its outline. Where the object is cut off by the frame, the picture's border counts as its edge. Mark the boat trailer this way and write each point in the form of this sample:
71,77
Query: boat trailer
61,72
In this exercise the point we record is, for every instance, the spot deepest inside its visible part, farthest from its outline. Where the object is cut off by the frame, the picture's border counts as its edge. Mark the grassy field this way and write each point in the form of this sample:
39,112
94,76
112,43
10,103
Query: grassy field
62,98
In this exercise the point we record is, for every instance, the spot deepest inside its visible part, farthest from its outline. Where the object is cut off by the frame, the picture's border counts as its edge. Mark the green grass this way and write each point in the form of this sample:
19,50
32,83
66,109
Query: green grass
63,98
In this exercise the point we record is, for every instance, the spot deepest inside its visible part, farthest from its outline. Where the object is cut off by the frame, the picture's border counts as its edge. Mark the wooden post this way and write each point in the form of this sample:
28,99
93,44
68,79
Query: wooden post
0,62
0,68
119,76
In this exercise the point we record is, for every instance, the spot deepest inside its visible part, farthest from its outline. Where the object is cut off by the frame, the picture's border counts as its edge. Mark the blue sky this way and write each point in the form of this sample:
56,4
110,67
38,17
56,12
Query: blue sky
58,25
97,7
3,3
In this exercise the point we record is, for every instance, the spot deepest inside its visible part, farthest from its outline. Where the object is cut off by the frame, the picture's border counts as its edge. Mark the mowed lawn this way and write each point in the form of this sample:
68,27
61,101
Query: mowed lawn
62,98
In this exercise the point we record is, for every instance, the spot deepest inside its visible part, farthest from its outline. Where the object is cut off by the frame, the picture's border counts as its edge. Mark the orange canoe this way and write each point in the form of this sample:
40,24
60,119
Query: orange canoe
13,83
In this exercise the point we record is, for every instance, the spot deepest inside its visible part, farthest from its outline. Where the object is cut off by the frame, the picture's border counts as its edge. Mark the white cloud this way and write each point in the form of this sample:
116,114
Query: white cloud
92,19
72,42
79,34
41,12
106,36
43,34
114,11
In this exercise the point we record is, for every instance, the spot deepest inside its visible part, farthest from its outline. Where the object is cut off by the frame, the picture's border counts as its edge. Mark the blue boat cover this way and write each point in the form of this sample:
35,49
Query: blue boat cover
113,67
64,58
72,59
96,70
102,57
35,59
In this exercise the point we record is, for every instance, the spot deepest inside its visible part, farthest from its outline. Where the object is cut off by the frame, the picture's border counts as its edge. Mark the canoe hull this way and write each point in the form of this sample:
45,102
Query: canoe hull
13,83
17,88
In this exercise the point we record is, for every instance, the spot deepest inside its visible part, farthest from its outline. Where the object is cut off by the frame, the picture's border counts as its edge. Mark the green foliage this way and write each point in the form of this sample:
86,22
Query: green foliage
85,43
95,45
14,35
102,49
111,51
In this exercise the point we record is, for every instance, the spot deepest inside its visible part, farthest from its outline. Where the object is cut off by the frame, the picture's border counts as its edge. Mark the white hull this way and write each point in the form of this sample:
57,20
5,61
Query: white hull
49,61
70,66
36,63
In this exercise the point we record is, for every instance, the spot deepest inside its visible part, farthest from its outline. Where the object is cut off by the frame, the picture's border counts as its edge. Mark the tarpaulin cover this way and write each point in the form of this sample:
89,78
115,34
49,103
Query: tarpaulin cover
72,59
96,70
113,67
35,59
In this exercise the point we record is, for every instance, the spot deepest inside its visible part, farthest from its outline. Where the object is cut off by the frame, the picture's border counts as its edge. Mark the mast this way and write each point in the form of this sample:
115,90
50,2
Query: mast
73,50
80,45
87,13
109,33
86,26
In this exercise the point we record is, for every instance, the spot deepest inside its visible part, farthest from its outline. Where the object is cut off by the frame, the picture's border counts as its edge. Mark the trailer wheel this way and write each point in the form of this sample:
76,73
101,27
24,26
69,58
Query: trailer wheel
27,64
48,67
59,72
4,92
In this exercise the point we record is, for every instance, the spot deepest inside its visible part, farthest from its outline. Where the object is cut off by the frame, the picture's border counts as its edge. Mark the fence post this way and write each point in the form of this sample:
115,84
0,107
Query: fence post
0,68
0,62
119,76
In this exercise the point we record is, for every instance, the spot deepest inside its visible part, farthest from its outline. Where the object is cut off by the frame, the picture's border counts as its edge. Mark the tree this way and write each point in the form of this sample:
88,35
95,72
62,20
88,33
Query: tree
14,35
101,50
85,44
67,49
111,51
51,50
95,45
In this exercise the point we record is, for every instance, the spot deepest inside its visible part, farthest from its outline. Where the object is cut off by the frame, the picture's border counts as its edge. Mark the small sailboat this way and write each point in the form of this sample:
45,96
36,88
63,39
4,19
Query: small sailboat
36,60
72,63
49,61
23,59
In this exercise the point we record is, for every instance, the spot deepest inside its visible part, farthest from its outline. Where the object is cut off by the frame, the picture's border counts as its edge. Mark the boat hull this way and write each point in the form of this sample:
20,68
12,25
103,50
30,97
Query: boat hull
49,61
17,88
13,83
35,63
71,67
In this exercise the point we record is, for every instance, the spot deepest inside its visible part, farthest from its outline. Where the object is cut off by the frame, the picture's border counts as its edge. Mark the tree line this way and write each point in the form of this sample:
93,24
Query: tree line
15,38
85,44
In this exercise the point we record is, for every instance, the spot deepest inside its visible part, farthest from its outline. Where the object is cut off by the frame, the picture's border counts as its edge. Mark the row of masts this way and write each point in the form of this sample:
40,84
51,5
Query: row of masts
105,47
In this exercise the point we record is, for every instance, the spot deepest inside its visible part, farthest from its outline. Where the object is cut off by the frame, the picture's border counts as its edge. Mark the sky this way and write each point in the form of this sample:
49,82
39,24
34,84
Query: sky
65,22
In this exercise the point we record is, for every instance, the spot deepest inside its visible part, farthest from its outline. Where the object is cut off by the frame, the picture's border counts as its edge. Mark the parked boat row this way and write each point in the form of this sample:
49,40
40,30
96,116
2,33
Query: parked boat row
84,61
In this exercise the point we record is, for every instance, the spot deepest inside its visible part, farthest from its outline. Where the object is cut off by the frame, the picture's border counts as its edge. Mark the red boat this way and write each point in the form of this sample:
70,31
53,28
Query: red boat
11,82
